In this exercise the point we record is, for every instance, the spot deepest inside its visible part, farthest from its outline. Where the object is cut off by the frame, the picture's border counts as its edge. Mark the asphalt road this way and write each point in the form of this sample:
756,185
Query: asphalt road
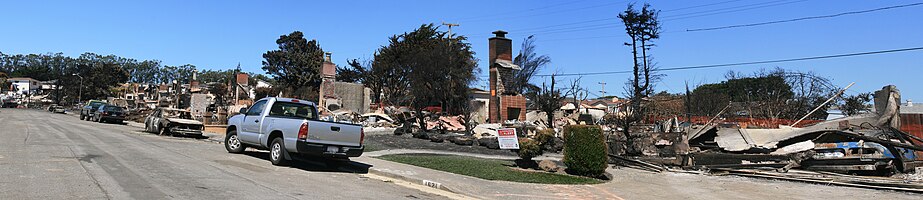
55,156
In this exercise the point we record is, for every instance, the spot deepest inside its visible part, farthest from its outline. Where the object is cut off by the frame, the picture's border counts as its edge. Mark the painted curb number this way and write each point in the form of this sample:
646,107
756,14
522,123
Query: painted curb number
432,184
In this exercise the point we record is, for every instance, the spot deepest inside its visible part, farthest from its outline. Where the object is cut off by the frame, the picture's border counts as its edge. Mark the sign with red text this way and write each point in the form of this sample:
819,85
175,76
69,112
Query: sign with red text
507,138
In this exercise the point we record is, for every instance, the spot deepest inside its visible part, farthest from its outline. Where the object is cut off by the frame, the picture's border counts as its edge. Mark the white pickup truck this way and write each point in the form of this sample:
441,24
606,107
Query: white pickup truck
290,128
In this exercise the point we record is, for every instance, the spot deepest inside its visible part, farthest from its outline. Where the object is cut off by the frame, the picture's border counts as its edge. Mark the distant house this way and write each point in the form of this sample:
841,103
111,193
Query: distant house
912,118
25,86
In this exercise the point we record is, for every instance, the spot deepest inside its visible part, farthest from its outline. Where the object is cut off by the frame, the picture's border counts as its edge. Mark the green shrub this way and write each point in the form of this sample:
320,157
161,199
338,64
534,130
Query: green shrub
585,150
544,136
528,149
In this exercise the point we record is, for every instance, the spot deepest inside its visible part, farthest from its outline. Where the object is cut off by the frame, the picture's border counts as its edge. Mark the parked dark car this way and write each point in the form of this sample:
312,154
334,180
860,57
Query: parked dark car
86,113
109,113
169,121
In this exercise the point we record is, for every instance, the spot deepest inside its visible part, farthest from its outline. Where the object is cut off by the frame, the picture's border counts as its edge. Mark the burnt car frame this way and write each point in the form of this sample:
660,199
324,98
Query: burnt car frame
169,121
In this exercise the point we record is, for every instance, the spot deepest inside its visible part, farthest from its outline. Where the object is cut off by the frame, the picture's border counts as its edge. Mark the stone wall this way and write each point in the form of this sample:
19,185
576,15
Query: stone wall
352,96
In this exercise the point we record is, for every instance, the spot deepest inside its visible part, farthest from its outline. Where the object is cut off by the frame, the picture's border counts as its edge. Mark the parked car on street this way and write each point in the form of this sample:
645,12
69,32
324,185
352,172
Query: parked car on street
169,121
86,113
109,113
56,109
290,128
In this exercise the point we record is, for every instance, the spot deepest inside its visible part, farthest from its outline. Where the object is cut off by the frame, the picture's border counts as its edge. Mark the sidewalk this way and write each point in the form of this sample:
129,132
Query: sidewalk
626,184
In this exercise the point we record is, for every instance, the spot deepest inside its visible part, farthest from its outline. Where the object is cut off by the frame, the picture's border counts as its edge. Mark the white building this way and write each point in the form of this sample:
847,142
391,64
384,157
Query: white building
25,85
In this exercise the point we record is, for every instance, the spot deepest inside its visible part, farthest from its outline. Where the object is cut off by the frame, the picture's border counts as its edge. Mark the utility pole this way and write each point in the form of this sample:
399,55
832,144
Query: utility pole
450,25
80,90
603,90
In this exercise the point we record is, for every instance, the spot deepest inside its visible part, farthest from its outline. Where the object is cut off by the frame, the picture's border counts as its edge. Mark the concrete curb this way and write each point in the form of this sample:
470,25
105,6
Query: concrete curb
423,182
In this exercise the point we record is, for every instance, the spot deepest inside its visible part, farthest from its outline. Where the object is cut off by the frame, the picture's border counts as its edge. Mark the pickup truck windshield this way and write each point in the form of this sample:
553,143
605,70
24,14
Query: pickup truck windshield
292,110
96,104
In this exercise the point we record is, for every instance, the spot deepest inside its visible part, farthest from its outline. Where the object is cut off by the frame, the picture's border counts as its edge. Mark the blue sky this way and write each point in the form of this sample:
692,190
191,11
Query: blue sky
220,34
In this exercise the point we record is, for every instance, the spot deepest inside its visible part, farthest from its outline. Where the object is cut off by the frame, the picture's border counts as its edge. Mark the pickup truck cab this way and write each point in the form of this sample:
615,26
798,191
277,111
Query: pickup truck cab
88,110
290,128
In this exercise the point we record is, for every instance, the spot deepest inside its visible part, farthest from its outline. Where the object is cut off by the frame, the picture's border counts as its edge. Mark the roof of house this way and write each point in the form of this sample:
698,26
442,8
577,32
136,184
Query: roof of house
912,109
21,78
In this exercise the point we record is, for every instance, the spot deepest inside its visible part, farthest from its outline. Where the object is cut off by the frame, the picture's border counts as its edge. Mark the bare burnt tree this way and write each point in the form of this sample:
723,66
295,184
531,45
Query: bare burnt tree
642,27
548,100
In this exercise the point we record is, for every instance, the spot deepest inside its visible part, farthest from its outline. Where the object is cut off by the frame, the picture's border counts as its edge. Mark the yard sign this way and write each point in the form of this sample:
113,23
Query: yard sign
507,138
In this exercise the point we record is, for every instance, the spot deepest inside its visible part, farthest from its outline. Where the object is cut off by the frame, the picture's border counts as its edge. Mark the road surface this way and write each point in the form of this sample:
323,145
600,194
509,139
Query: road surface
56,156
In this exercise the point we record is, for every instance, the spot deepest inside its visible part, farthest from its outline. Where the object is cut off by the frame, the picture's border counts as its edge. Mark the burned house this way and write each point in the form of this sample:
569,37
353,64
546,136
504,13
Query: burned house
869,142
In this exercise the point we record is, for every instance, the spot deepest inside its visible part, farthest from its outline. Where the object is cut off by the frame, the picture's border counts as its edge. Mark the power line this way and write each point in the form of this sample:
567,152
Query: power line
521,11
727,8
714,12
746,63
675,17
698,6
610,18
555,12
805,18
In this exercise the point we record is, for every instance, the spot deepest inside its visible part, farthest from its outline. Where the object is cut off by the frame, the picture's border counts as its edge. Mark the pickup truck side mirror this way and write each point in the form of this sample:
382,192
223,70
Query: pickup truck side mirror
242,110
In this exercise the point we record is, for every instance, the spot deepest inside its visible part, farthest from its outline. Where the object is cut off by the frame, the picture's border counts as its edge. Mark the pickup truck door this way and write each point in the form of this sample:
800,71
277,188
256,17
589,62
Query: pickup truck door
250,127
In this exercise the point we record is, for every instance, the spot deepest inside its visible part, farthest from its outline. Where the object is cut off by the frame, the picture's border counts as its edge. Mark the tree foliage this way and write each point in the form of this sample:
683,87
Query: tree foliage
422,68
530,62
100,73
855,104
776,94
295,64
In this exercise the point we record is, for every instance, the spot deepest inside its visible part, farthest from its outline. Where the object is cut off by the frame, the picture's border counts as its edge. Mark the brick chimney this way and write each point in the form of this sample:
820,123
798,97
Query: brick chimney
328,69
504,105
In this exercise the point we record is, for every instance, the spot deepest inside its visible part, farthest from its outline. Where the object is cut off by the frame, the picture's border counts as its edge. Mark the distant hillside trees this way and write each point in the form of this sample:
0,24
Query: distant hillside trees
776,94
100,72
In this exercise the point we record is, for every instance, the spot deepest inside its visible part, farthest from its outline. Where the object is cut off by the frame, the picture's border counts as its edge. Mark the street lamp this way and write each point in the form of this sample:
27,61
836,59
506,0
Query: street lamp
80,93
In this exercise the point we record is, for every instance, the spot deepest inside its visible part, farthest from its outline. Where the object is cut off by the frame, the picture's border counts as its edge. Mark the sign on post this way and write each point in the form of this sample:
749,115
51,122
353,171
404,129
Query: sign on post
507,138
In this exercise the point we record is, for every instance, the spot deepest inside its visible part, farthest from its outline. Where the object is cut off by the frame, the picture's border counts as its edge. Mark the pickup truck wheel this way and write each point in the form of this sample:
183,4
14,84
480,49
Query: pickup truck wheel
82,117
232,143
277,151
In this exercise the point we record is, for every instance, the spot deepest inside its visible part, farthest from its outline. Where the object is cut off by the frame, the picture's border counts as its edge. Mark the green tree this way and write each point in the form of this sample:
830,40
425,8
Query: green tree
426,67
855,104
295,64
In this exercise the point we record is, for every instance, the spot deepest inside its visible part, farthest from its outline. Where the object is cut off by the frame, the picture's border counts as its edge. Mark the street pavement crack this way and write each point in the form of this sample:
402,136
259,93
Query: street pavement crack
95,181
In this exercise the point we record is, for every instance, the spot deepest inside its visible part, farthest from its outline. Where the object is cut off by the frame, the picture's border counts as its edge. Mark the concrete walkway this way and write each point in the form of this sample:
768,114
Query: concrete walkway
626,184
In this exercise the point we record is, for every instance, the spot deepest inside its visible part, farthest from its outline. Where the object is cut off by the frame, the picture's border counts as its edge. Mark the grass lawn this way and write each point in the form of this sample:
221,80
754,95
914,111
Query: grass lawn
485,168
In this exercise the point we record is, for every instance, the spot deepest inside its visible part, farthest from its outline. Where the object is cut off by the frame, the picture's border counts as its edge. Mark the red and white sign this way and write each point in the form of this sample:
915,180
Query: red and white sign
507,138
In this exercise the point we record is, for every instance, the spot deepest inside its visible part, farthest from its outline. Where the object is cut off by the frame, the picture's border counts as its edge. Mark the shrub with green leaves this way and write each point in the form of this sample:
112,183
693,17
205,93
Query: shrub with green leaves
544,136
529,149
585,150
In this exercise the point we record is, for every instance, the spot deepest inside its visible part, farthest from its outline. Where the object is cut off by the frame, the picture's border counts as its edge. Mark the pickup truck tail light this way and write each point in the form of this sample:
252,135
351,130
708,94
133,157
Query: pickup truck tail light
361,135
303,131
